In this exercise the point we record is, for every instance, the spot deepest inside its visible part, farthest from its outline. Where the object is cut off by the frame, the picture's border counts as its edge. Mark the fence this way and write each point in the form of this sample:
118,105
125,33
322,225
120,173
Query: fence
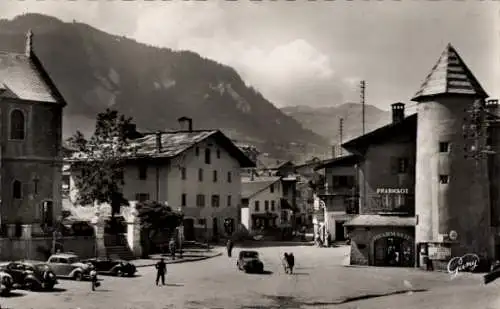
40,248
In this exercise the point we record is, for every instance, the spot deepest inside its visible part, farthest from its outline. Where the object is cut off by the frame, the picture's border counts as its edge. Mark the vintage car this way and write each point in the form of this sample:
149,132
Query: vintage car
69,265
107,266
33,275
6,283
249,261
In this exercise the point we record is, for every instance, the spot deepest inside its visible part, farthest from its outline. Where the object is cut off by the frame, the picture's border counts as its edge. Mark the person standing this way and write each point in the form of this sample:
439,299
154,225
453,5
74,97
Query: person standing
291,262
229,247
171,248
161,270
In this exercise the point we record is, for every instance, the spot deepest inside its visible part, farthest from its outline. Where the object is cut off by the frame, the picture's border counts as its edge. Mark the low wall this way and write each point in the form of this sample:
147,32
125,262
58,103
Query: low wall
39,248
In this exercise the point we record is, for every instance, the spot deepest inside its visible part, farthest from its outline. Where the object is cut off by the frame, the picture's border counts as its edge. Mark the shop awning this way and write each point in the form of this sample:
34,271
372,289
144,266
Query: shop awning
378,220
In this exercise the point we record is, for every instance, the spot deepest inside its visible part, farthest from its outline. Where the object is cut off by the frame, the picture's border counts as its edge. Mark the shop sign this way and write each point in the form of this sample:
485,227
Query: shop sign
438,252
392,191
394,234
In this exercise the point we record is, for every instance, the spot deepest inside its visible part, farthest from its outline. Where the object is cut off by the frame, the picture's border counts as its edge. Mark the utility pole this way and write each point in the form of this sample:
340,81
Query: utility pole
362,86
341,134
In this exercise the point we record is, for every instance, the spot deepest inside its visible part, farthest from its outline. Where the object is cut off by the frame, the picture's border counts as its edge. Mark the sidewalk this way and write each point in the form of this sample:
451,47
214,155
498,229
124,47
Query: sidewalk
192,255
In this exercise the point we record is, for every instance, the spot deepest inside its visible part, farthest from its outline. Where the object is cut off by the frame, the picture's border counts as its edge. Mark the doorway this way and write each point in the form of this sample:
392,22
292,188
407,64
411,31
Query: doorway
215,227
339,231
393,251
189,229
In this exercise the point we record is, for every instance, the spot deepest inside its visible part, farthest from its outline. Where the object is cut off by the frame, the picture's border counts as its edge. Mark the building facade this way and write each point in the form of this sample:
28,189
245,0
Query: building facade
30,147
196,172
261,203
337,200
421,194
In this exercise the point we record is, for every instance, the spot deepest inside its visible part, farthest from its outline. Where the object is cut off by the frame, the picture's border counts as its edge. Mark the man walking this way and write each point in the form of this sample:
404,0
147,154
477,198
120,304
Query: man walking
229,247
291,262
161,270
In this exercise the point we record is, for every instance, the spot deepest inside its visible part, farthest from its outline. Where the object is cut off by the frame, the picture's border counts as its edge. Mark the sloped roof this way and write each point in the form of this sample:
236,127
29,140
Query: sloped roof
24,78
270,163
175,143
378,220
348,160
450,75
407,126
251,187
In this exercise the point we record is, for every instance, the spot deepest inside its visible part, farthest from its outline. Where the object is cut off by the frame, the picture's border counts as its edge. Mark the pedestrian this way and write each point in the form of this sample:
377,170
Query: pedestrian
161,270
229,247
291,262
171,248
285,262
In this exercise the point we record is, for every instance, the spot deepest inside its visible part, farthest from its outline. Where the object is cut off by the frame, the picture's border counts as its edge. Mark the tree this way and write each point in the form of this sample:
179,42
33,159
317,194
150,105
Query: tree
156,218
100,160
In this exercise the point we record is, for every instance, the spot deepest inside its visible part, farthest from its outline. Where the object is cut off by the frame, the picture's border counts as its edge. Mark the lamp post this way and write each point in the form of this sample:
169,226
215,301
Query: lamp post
180,230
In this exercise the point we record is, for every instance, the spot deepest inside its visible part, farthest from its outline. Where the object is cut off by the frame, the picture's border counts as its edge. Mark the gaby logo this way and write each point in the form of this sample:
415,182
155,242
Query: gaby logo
468,262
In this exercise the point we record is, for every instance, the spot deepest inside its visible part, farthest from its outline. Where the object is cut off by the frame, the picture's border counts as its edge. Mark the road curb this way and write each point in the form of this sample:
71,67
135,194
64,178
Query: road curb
201,258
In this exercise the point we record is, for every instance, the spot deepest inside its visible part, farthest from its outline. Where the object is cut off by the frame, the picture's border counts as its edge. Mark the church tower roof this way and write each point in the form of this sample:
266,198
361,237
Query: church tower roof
450,75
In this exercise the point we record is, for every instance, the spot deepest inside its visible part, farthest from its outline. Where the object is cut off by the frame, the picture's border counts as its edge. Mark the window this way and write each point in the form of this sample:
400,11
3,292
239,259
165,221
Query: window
444,147
183,199
197,151
229,177
266,205
202,221
273,205
443,179
271,188
215,176
48,213
207,156
343,181
142,197
200,174
183,173
143,171
17,189
403,165
200,200
229,201
17,125
257,206
218,153
215,200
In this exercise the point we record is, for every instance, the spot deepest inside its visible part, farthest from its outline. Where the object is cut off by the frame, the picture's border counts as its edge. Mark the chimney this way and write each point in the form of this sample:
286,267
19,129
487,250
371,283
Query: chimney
398,112
29,44
158,142
186,124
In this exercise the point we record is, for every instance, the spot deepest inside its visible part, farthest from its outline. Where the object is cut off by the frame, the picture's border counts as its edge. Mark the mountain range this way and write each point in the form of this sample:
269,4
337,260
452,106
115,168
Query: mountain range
325,121
95,70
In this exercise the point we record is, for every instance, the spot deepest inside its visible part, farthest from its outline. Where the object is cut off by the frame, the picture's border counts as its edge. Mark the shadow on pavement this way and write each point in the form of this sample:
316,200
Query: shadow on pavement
101,290
53,290
300,274
174,284
12,294
265,272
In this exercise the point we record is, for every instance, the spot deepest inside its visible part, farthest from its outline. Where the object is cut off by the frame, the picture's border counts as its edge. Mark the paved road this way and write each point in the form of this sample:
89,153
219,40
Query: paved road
320,282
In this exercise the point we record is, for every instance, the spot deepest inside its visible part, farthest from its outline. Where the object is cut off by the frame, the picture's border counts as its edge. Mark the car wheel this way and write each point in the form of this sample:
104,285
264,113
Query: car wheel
32,285
48,286
78,276
119,273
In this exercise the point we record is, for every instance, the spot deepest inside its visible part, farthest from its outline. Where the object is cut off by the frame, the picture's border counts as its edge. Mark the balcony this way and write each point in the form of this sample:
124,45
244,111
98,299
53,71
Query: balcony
346,191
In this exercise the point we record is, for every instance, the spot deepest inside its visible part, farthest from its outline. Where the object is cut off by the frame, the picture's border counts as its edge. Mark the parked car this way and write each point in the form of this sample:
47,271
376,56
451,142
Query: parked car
6,283
33,275
249,261
69,265
113,267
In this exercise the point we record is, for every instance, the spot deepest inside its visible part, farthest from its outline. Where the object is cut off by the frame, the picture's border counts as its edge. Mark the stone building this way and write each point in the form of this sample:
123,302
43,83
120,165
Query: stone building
420,192
31,126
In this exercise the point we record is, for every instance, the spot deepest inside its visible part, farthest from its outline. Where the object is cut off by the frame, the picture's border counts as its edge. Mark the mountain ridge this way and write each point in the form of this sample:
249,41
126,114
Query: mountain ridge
95,70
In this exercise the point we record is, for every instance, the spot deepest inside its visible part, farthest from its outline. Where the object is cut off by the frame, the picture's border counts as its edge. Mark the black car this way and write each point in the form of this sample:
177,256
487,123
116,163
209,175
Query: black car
113,267
249,261
33,275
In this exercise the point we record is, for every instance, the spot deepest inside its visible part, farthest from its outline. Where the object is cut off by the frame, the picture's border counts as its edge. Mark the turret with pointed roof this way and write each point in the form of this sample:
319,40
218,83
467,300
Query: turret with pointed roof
450,75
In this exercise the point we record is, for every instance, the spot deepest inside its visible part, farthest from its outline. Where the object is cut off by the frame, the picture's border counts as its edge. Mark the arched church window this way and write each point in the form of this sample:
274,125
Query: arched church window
17,125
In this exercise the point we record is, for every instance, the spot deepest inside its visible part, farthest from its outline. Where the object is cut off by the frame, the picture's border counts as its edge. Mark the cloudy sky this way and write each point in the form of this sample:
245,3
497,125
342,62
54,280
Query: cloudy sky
306,52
